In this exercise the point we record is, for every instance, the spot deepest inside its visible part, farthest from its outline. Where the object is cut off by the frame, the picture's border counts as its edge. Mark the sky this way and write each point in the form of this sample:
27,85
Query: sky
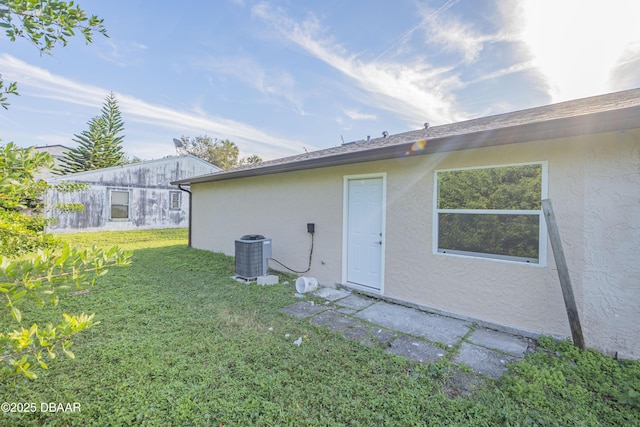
279,78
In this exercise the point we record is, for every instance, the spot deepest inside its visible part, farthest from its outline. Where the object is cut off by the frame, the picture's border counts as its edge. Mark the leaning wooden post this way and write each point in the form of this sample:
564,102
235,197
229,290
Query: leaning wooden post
563,275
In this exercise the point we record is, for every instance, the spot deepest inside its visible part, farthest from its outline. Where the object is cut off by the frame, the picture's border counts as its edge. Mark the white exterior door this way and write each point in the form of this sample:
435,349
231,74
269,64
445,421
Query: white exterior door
364,229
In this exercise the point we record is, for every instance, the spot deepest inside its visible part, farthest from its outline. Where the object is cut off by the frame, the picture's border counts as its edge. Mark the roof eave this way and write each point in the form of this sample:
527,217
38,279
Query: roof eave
621,119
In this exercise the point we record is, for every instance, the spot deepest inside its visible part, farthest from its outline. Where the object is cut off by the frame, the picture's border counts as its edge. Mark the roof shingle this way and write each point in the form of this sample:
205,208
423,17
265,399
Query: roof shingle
562,119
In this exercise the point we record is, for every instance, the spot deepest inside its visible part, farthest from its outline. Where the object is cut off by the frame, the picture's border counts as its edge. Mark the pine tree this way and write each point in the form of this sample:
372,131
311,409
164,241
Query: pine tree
101,145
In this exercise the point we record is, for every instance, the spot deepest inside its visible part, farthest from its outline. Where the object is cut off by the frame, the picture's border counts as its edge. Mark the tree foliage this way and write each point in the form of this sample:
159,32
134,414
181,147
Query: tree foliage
132,159
491,193
507,187
101,145
40,280
21,225
35,267
11,89
252,159
222,153
45,24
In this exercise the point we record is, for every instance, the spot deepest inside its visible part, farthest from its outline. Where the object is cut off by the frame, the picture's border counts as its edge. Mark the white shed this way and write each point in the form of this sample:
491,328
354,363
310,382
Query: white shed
132,196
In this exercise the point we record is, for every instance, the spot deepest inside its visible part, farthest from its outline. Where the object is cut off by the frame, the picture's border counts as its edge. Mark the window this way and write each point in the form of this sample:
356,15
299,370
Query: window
492,212
174,200
119,204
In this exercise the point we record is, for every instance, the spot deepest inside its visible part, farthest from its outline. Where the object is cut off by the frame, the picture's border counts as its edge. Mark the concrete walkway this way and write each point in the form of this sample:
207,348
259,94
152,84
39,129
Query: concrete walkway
412,333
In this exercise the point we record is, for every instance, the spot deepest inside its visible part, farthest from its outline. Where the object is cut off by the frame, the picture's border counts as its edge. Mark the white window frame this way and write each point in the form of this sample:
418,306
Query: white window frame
178,195
128,205
542,228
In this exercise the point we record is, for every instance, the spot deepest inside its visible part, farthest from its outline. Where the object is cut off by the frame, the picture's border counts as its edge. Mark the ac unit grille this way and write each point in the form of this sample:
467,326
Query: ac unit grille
251,257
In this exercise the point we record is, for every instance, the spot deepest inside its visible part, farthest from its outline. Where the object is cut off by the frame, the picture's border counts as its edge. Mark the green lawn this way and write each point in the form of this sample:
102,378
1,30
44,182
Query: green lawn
181,344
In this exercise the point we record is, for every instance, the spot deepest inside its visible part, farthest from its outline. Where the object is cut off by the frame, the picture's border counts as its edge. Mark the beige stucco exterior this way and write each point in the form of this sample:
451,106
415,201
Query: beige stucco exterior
593,183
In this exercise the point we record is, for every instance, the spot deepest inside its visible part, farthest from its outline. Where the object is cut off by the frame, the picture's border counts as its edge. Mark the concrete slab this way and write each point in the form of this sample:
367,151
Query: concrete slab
433,327
483,361
500,341
331,294
345,310
333,320
271,279
401,330
304,309
459,383
415,349
359,333
369,335
381,335
356,302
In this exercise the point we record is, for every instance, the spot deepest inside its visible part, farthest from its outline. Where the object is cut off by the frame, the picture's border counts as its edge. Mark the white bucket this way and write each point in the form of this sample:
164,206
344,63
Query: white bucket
306,284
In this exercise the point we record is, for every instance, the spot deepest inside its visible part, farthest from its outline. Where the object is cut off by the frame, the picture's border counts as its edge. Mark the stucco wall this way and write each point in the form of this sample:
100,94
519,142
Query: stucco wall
594,185
611,276
277,206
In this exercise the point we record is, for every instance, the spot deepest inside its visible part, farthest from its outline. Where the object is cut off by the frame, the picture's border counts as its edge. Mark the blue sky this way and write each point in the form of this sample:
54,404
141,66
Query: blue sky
281,77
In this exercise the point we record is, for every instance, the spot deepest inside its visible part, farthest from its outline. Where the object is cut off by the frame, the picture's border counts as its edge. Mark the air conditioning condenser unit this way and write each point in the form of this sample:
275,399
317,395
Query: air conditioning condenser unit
252,254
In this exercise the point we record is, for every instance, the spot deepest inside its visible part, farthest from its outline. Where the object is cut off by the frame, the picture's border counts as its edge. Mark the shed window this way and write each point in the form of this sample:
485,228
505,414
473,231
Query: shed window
175,200
119,204
492,212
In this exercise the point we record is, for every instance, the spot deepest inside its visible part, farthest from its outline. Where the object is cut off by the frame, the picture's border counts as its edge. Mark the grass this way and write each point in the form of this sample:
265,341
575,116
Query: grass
181,344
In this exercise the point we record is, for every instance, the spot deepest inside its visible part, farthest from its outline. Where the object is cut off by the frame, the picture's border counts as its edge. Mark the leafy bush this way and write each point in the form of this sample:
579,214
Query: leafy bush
34,267
560,384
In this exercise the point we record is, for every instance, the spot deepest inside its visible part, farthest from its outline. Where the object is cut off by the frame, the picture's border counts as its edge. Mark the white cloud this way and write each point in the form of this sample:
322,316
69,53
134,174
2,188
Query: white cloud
416,91
576,44
515,68
626,74
275,85
357,115
121,54
428,15
449,33
40,83
48,85
452,35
